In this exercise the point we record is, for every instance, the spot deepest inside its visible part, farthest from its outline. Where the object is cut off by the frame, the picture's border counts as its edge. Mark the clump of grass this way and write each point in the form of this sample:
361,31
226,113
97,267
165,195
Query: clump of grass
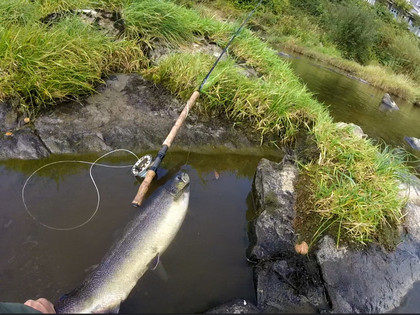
163,21
355,184
268,106
43,64
19,12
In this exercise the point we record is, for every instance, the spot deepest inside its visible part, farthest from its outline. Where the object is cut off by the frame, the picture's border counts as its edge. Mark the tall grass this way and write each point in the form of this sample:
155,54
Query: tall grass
265,105
42,64
355,184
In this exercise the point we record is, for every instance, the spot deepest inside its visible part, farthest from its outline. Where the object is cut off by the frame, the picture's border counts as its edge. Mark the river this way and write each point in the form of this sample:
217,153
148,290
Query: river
353,101
205,265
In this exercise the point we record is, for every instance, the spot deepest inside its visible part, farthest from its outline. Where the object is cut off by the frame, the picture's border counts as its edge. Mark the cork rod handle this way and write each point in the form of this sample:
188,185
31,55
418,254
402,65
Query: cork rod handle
144,187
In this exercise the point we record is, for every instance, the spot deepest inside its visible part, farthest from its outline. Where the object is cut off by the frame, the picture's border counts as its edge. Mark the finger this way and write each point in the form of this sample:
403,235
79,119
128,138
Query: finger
42,305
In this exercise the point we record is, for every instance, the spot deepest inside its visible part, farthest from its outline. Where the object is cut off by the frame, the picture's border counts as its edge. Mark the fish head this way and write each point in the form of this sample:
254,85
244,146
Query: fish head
179,185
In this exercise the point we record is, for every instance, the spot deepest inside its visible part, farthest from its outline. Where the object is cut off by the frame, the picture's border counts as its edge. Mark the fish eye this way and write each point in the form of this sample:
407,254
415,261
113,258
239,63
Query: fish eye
179,177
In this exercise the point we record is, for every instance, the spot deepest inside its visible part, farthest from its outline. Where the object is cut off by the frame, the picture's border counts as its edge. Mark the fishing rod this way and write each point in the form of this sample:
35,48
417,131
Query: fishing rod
144,166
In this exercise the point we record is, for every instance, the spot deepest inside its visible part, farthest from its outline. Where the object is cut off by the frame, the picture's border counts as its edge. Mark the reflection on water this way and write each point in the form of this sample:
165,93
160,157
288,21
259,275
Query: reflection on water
352,101
206,263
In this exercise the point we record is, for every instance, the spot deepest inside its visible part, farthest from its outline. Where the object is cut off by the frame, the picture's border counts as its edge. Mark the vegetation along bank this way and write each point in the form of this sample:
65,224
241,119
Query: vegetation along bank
351,183
362,39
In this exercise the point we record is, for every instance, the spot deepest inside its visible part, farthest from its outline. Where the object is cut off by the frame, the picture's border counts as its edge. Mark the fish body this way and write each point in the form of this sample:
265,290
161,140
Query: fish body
144,239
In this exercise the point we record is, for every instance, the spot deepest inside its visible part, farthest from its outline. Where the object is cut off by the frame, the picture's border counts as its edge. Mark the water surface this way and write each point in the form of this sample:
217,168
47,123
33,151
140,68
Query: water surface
205,265
353,101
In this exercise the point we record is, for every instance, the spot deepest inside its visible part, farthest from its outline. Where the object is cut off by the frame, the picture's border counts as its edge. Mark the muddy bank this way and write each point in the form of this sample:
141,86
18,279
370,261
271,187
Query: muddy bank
127,112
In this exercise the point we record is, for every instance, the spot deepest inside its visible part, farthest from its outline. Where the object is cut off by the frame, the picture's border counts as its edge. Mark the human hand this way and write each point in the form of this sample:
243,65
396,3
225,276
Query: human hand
42,305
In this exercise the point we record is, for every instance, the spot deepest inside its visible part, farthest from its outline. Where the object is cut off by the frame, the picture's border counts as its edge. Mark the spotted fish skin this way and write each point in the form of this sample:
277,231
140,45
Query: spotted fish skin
144,239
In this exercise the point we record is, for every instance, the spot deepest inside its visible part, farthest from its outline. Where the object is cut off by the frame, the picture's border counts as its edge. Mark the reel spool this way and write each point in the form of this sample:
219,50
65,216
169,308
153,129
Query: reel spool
141,167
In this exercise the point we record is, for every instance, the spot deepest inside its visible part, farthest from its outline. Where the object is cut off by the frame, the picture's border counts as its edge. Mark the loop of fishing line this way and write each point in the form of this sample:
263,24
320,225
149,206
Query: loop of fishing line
92,164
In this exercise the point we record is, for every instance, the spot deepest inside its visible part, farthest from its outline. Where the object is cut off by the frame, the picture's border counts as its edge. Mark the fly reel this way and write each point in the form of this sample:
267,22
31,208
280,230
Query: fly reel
141,167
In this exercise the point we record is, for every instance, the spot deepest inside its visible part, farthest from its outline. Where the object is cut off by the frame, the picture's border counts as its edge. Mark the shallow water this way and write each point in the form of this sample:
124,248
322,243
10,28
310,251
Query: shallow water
205,265
353,101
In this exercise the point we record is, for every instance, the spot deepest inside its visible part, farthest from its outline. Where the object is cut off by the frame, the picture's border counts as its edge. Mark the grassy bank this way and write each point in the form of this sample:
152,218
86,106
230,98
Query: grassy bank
352,181
382,51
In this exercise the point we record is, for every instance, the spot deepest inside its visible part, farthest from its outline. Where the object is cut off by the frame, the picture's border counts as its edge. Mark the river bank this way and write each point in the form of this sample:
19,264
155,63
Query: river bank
299,27
376,75
252,87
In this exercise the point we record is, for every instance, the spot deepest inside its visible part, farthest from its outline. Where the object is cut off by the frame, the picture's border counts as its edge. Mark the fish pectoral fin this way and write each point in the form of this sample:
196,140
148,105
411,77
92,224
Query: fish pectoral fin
161,272
114,310
154,262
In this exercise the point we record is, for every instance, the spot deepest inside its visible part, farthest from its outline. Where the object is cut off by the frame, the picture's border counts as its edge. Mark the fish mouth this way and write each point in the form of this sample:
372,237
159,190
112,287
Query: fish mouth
184,178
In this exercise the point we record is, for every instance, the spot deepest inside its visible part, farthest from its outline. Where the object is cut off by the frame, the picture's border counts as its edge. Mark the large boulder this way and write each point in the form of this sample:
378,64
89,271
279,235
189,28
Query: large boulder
272,234
368,281
285,281
343,280
387,104
374,280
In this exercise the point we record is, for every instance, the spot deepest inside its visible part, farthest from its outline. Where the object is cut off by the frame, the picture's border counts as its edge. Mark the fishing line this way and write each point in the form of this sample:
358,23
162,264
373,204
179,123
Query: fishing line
92,164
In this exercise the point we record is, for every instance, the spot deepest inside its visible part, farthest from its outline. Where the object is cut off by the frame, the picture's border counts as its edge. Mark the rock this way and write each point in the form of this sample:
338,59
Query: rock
283,54
110,23
413,142
271,234
15,142
238,306
22,144
357,130
370,280
131,112
412,221
387,104
291,286
8,117
410,189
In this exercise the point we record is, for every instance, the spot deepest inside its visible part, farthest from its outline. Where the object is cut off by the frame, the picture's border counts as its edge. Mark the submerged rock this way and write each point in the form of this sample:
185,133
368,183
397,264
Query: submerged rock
283,54
238,306
413,142
387,104
292,285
